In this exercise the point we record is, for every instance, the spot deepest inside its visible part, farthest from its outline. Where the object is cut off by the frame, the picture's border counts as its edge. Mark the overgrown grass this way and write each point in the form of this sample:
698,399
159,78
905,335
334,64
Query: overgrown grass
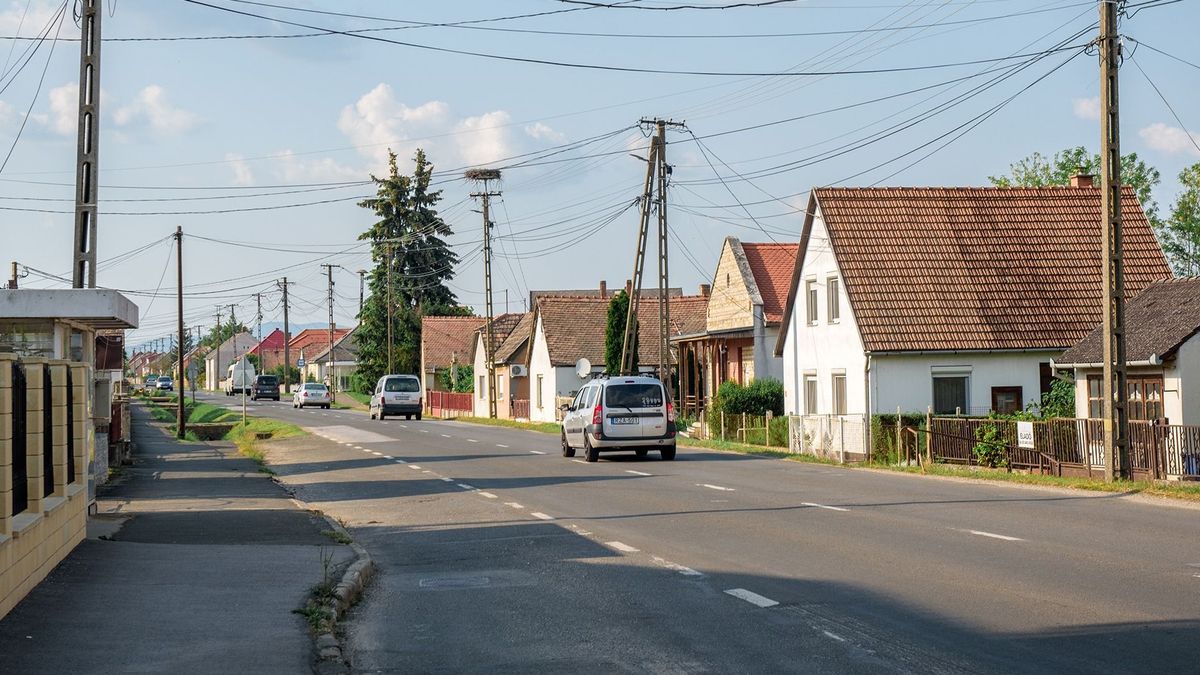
543,427
245,436
364,399
1185,491
749,449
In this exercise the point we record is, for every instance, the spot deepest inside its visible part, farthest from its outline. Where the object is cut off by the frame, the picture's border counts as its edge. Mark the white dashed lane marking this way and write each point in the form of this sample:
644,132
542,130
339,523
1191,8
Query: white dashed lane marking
624,548
638,473
823,506
751,597
414,467
579,461
833,636
487,494
540,515
501,445
466,486
536,452
514,505
714,487
676,567
445,435
472,440
448,480
993,535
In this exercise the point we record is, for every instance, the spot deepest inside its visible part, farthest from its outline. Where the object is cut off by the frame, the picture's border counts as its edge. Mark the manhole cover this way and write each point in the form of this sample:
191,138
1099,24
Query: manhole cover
455,582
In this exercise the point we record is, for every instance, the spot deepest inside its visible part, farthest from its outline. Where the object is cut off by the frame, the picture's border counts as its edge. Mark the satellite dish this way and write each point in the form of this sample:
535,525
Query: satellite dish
583,368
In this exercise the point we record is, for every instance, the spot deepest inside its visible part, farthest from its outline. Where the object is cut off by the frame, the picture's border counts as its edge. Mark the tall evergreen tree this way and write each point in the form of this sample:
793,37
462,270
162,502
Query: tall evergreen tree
410,237
614,334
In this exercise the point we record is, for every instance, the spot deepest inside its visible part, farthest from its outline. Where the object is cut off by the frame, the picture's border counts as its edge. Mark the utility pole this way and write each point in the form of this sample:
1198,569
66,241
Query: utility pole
485,196
362,274
258,316
664,279
1116,392
330,369
181,423
629,344
287,339
87,162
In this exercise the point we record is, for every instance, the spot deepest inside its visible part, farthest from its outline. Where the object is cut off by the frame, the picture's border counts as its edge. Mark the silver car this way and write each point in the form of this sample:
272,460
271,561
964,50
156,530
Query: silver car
396,395
619,413
311,393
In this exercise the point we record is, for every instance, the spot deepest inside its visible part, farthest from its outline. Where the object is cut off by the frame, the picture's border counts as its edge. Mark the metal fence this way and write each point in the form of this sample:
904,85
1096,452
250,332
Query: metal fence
840,437
444,403
520,408
1071,447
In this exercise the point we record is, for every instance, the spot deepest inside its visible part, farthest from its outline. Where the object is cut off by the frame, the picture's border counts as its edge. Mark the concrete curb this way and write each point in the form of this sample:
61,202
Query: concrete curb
331,657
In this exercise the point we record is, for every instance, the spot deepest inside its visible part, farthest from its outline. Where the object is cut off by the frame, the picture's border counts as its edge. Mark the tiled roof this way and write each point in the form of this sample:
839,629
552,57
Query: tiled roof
1157,321
772,266
315,340
968,268
502,326
273,341
575,327
445,337
344,349
517,337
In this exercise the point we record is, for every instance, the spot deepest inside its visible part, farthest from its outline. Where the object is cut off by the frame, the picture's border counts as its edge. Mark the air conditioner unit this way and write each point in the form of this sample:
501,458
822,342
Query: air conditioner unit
518,371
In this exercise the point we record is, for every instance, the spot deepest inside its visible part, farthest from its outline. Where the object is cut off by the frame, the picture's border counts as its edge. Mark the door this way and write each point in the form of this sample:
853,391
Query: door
574,421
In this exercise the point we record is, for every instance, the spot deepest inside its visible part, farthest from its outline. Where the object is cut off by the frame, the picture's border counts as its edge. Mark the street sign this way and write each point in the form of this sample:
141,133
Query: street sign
1025,435
300,362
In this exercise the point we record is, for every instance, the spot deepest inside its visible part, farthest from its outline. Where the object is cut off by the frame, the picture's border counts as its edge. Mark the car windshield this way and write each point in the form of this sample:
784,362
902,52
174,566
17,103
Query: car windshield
633,396
404,384
314,387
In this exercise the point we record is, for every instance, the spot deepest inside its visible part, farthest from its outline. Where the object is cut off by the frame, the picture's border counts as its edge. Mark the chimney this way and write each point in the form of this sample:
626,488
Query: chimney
629,287
603,288
705,289
1081,179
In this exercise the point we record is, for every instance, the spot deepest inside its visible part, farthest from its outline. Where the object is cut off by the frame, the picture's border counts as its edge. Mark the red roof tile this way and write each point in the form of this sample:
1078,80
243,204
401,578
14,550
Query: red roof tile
967,268
575,327
772,266
315,340
444,338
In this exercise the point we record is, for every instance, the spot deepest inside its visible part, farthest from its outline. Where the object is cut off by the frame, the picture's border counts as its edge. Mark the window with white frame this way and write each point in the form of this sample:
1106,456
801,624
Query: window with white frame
810,394
499,386
810,292
839,394
950,393
539,392
834,312
480,387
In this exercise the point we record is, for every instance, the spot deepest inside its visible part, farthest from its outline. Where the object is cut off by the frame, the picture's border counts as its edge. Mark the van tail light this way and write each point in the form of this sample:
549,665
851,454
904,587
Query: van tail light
597,415
670,412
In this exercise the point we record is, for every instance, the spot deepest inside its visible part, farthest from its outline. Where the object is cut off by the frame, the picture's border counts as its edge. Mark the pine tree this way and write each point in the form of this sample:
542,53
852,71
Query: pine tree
410,236
614,335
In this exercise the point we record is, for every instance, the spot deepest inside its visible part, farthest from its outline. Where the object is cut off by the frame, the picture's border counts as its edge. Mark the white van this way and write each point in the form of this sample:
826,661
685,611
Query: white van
240,379
619,413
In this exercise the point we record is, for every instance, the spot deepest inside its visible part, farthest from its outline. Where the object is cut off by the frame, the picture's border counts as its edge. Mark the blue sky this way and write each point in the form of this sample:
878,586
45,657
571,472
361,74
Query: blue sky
233,120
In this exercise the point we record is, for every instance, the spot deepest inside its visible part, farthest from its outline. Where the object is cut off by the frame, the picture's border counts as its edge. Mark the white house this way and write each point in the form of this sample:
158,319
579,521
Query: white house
952,298
567,329
508,341
335,372
1162,357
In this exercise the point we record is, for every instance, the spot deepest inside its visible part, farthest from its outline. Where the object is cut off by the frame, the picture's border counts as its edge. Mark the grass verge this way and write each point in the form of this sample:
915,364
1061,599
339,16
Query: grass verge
245,436
543,427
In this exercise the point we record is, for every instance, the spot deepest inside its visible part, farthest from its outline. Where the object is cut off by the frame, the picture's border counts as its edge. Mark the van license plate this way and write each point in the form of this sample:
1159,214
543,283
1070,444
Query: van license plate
626,420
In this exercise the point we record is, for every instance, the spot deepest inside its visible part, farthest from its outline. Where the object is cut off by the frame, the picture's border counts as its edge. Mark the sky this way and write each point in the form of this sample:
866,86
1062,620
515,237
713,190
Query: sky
260,146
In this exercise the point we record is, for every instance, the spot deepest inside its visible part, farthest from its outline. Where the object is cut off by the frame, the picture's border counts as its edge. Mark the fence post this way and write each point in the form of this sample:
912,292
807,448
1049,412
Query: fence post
744,428
767,432
842,441
722,425
899,440
929,434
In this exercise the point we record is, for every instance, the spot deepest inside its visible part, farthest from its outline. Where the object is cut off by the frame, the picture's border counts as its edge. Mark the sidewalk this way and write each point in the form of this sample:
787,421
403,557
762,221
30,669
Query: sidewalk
194,564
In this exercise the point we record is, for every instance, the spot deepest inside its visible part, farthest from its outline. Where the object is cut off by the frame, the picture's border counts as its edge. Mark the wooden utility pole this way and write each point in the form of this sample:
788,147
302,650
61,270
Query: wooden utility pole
485,196
287,340
87,156
330,369
181,421
1116,413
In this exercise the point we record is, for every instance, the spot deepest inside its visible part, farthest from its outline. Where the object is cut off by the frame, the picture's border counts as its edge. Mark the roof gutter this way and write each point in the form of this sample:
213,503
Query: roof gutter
1154,360
935,352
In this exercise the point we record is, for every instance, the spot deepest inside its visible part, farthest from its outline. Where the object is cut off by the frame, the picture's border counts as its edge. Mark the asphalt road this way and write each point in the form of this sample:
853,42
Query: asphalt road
498,554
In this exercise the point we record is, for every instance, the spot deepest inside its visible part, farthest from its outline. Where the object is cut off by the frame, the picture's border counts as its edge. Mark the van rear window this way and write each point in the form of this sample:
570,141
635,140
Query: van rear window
268,380
405,384
633,396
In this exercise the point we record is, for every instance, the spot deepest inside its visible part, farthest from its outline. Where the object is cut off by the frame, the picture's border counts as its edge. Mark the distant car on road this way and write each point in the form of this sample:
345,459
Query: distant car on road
396,395
265,386
151,383
240,379
165,383
619,413
311,393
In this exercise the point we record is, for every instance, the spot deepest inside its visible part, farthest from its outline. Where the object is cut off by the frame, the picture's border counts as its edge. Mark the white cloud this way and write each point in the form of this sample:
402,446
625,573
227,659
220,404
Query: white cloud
152,107
484,138
1169,139
13,17
1086,108
242,175
64,110
7,114
542,132
377,121
295,169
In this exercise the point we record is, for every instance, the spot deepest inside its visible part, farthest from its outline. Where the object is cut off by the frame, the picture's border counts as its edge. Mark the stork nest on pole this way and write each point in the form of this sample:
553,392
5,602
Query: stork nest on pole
482,175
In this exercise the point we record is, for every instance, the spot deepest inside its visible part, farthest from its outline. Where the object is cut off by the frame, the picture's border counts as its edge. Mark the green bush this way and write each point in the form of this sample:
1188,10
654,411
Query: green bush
779,432
990,445
756,399
883,436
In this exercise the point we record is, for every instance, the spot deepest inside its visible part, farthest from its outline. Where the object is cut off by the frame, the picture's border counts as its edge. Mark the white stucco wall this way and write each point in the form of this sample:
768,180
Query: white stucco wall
480,397
907,380
1188,360
824,348
1181,385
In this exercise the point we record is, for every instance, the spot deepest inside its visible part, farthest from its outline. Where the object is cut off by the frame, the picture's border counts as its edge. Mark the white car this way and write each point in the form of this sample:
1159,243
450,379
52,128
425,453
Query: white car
165,384
396,395
311,393
619,413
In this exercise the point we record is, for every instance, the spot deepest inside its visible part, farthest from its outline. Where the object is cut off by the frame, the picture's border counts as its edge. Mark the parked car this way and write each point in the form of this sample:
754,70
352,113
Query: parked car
311,393
240,379
396,395
619,413
151,383
265,386
165,383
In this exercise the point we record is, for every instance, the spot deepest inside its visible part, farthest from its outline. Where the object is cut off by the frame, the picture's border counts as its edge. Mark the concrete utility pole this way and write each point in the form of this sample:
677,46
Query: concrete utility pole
287,339
485,196
1116,392
181,422
330,369
362,275
87,182
628,345
258,316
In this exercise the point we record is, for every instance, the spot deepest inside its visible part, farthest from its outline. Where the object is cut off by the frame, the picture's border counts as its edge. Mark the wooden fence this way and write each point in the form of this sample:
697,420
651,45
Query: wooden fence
1072,447
448,403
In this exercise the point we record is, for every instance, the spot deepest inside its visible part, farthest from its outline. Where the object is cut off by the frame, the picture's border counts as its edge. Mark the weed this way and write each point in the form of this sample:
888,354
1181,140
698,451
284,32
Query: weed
338,536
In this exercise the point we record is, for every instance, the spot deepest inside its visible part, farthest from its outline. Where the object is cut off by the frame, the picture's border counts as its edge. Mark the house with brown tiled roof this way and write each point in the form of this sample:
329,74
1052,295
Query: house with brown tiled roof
953,298
337,369
1162,356
742,321
564,330
509,389
446,342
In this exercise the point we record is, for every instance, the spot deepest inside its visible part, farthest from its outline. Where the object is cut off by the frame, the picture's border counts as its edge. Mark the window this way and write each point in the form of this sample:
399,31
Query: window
539,391
839,394
747,363
1095,397
1145,397
810,394
835,307
1006,400
633,396
404,384
949,394
480,387
499,386
810,288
